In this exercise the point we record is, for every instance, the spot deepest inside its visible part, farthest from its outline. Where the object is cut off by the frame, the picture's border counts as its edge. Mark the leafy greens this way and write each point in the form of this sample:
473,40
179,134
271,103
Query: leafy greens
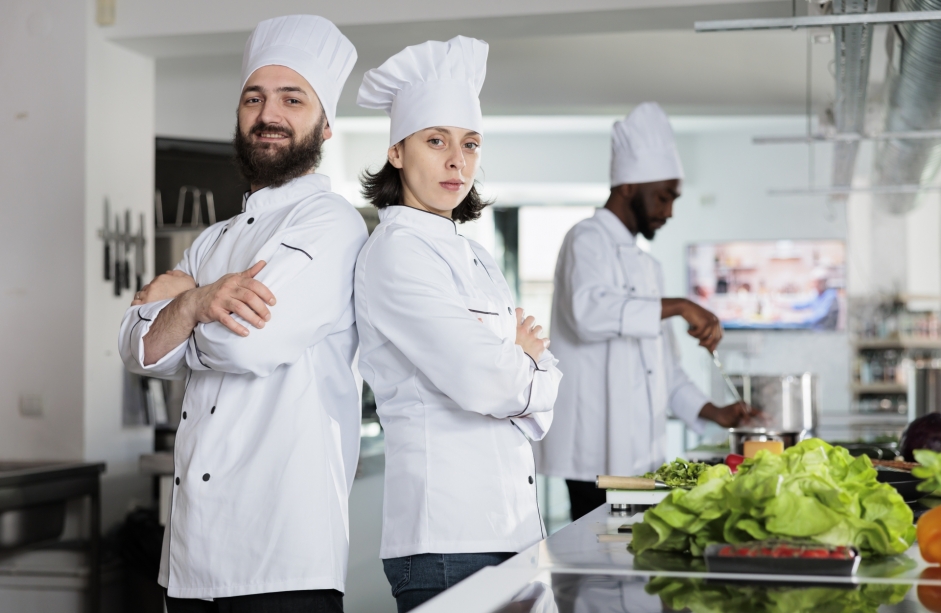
679,473
813,491
700,596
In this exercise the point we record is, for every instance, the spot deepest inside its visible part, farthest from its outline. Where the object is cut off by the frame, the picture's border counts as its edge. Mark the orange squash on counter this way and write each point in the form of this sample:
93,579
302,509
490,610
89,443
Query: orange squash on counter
928,532
930,595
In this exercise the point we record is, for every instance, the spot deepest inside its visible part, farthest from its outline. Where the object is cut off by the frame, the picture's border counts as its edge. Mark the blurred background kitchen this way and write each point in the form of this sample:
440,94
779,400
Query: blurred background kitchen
806,223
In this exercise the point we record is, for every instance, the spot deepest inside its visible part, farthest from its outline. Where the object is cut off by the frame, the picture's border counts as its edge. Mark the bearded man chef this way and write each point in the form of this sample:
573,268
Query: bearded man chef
259,317
611,329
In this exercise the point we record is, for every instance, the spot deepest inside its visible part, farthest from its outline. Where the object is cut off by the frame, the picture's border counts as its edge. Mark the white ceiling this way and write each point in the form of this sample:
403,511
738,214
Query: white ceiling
575,63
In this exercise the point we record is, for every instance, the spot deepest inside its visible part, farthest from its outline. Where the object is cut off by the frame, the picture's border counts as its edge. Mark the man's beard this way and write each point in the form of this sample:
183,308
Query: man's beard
637,206
270,165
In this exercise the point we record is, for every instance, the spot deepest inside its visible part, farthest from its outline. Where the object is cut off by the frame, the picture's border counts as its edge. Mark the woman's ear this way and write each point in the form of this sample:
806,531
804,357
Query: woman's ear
395,155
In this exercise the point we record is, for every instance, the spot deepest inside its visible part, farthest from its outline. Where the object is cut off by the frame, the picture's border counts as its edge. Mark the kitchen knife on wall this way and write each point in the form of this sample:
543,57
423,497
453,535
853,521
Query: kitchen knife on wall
118,264
139,255
127,249
106,236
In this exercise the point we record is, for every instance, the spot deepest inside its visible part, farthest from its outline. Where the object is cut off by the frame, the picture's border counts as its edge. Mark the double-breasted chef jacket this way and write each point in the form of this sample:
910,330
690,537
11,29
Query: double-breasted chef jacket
621,362
267,448
458,399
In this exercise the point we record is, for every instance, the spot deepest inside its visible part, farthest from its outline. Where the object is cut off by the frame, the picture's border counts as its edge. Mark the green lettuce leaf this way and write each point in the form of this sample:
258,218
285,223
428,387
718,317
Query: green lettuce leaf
812,491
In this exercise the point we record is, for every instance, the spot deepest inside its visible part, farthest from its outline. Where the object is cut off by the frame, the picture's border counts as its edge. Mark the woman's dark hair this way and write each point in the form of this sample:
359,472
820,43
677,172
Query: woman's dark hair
384,187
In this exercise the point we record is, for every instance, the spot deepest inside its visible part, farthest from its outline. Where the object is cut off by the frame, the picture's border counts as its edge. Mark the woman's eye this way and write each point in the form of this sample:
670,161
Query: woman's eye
435,141
472,146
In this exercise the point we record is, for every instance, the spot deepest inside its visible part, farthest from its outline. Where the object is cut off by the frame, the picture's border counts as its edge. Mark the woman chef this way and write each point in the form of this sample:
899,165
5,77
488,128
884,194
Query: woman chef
462,381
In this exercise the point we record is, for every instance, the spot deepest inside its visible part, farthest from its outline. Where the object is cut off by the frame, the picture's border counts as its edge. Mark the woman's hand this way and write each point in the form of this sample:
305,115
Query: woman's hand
527,336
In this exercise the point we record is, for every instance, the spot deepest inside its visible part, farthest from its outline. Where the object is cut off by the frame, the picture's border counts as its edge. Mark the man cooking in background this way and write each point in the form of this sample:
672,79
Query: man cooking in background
259,316
610,328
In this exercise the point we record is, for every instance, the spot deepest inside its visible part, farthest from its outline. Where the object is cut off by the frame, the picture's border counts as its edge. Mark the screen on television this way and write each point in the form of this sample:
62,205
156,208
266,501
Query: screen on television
771,285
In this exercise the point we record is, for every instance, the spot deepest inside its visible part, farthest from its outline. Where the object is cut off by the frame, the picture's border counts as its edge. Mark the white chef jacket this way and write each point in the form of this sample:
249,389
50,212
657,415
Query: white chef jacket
456,396
621,361
267,448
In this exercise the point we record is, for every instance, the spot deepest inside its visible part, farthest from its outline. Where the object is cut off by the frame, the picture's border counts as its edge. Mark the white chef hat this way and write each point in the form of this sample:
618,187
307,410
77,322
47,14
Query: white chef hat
309,45
643,148
431,84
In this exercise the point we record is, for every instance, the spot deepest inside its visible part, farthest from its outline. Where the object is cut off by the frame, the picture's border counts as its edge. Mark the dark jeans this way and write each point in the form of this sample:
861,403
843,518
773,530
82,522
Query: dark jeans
306,601
584,497
417,579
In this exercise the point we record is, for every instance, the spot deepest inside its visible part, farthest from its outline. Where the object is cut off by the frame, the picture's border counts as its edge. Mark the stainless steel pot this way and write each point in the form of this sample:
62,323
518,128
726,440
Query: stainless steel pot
738,436
788,403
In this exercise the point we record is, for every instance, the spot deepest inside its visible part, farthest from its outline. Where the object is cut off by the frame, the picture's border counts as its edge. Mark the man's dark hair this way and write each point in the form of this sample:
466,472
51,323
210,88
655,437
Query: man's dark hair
384,187
294,161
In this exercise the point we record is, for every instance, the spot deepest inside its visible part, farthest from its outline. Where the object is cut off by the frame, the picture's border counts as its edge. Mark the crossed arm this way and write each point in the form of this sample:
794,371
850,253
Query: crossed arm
237,293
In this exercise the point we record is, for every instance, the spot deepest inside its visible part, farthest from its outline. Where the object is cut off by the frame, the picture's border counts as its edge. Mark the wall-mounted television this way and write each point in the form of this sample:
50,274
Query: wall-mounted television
771,285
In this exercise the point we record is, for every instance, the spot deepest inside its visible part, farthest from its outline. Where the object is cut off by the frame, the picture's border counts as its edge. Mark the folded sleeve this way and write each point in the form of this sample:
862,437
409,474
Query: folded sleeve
134,327
309,269
686,400
535,423
412,300
599,309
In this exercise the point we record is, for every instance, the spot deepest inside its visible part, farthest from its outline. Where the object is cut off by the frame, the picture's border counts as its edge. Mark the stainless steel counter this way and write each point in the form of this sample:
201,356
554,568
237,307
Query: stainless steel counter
32,508
586,567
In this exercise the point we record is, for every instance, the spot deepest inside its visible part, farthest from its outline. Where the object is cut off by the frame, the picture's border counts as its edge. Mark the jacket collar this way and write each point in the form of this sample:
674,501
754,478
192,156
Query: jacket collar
289,193
615,228
417,218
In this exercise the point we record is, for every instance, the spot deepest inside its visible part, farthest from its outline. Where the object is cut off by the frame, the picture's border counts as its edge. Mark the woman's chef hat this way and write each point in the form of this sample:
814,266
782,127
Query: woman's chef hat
309,45
431,84
643,148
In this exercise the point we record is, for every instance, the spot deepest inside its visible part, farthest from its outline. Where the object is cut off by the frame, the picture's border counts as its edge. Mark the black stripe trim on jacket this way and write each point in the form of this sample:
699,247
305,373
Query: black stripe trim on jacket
298,249
140,318
199,353
531,383
483,312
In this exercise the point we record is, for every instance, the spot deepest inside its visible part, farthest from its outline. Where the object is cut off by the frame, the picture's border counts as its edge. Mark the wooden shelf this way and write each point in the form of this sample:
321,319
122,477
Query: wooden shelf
879,388
902,342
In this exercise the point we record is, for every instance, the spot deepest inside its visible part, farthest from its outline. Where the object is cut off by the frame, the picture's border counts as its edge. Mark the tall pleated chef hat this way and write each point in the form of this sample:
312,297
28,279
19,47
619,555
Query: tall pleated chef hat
643,148
427,85
309,45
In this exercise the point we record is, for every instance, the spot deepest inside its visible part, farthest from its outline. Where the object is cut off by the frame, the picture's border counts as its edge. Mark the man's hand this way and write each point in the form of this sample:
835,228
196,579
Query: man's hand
728,416
233,294
527,336
703,325
165,287
236,293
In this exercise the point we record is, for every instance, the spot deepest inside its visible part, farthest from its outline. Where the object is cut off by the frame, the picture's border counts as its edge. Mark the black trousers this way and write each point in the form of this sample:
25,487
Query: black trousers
585,497
306,601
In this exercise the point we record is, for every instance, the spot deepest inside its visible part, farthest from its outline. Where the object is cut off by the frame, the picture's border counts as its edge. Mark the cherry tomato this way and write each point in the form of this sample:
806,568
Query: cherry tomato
733,460
929,535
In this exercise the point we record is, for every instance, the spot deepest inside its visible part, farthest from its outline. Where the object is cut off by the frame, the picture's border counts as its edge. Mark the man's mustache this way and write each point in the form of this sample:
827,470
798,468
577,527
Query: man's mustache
258,129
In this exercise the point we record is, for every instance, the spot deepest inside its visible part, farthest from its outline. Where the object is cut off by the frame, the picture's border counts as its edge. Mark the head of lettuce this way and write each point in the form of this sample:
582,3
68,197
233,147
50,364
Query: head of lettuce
811,491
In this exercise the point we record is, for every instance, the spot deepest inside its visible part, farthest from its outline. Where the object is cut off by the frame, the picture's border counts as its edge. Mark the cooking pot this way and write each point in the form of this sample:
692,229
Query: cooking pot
788,403
738,436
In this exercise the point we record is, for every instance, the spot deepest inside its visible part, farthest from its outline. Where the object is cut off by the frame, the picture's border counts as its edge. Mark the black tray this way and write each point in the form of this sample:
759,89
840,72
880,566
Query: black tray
779,566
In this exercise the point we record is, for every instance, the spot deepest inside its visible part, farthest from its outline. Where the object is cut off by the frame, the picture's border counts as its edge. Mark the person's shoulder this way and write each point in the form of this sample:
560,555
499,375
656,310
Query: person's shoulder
392,244
332,208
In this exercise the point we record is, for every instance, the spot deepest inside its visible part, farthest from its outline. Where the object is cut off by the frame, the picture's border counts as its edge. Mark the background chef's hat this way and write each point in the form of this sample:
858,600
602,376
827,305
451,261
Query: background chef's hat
309,45
431,84
643,148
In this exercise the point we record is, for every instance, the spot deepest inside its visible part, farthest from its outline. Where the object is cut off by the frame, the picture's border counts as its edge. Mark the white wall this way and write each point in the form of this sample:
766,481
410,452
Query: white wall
79,123
42,117
119,154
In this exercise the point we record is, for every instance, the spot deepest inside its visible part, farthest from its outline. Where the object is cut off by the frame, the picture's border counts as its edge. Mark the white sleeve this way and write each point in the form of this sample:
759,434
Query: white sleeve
309,269
686,400
138,319
535,425
135,325
412,300
599,309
